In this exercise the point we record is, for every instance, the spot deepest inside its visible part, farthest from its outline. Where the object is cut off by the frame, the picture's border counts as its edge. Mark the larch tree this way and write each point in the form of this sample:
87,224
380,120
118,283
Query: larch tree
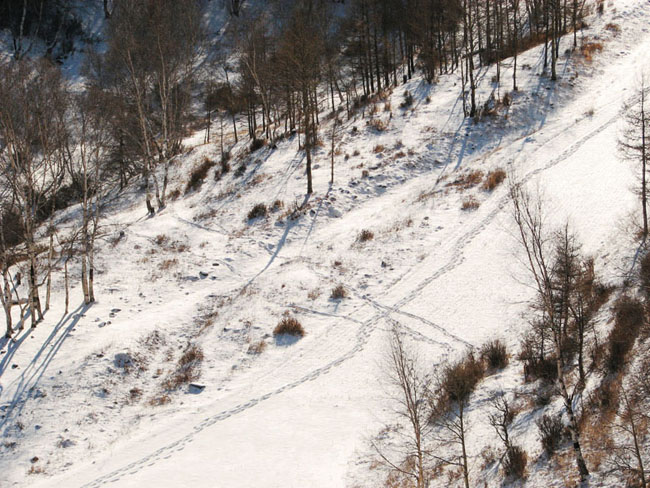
634,141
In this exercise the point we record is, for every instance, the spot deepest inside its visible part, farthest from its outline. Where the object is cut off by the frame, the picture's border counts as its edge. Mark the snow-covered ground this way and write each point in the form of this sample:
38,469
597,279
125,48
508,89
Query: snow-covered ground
303,414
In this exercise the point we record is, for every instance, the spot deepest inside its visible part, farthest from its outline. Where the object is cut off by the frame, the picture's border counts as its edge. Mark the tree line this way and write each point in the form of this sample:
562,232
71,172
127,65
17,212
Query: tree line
276,68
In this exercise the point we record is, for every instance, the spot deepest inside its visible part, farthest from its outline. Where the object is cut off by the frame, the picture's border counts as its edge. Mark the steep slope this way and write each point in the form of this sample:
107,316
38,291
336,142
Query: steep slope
302,414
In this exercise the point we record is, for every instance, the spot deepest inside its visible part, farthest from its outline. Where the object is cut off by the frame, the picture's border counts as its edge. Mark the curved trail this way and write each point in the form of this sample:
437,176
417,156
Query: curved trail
366,328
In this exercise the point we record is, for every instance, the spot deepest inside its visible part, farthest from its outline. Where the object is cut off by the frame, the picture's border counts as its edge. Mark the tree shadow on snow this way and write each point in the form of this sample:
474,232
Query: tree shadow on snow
31,375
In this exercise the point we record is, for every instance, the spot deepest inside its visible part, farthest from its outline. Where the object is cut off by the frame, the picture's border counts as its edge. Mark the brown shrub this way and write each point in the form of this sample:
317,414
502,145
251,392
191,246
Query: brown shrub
225,165
629,318
339,292
589,48
408,100
605,398
379,148
615,28
514,462
551,431
494,353
460,379
135,394
256,347
257,144
161,239
493,179
468,180
187,368
644,276
365,235
198,175
470,203
378,124
536,366
174,194
162,399
259,210
168,264
289,326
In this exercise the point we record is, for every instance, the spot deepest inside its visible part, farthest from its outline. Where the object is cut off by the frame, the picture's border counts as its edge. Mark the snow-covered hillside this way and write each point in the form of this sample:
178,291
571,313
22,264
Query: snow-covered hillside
81,396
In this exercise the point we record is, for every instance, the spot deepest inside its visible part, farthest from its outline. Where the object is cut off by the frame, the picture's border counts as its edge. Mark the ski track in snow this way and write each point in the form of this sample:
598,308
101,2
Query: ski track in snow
366,328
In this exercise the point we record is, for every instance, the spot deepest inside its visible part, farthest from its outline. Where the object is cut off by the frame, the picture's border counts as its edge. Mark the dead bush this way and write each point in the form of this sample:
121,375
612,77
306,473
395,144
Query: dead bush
338,292
460,379
551,432
605,398
378,124
365,235
258,211
161,239
470,203
162,399
188,368
379,148
256,348
240,171
289,326
468,180
257,144
644,276
199,174
493,179
629,318
514,462
588,49
174,194
615,28
167,264
535,365
225,164
408,100
495,354
135,394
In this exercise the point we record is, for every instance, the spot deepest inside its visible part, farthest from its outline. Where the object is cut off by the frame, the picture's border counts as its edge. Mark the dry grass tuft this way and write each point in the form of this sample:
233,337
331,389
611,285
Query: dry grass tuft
588,49
493,179
258,211
379,125
365,235
187,370
339,292
468,180
470,203
289,326
198,175
256,348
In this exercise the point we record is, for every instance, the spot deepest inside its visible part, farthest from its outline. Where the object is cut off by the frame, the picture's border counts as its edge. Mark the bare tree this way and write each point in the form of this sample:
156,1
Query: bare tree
634,142
152,48
450,400
629,453
552,299
32,99
411,386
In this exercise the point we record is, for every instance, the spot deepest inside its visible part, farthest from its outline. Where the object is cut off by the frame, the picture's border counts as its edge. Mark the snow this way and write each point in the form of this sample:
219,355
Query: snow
304,414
